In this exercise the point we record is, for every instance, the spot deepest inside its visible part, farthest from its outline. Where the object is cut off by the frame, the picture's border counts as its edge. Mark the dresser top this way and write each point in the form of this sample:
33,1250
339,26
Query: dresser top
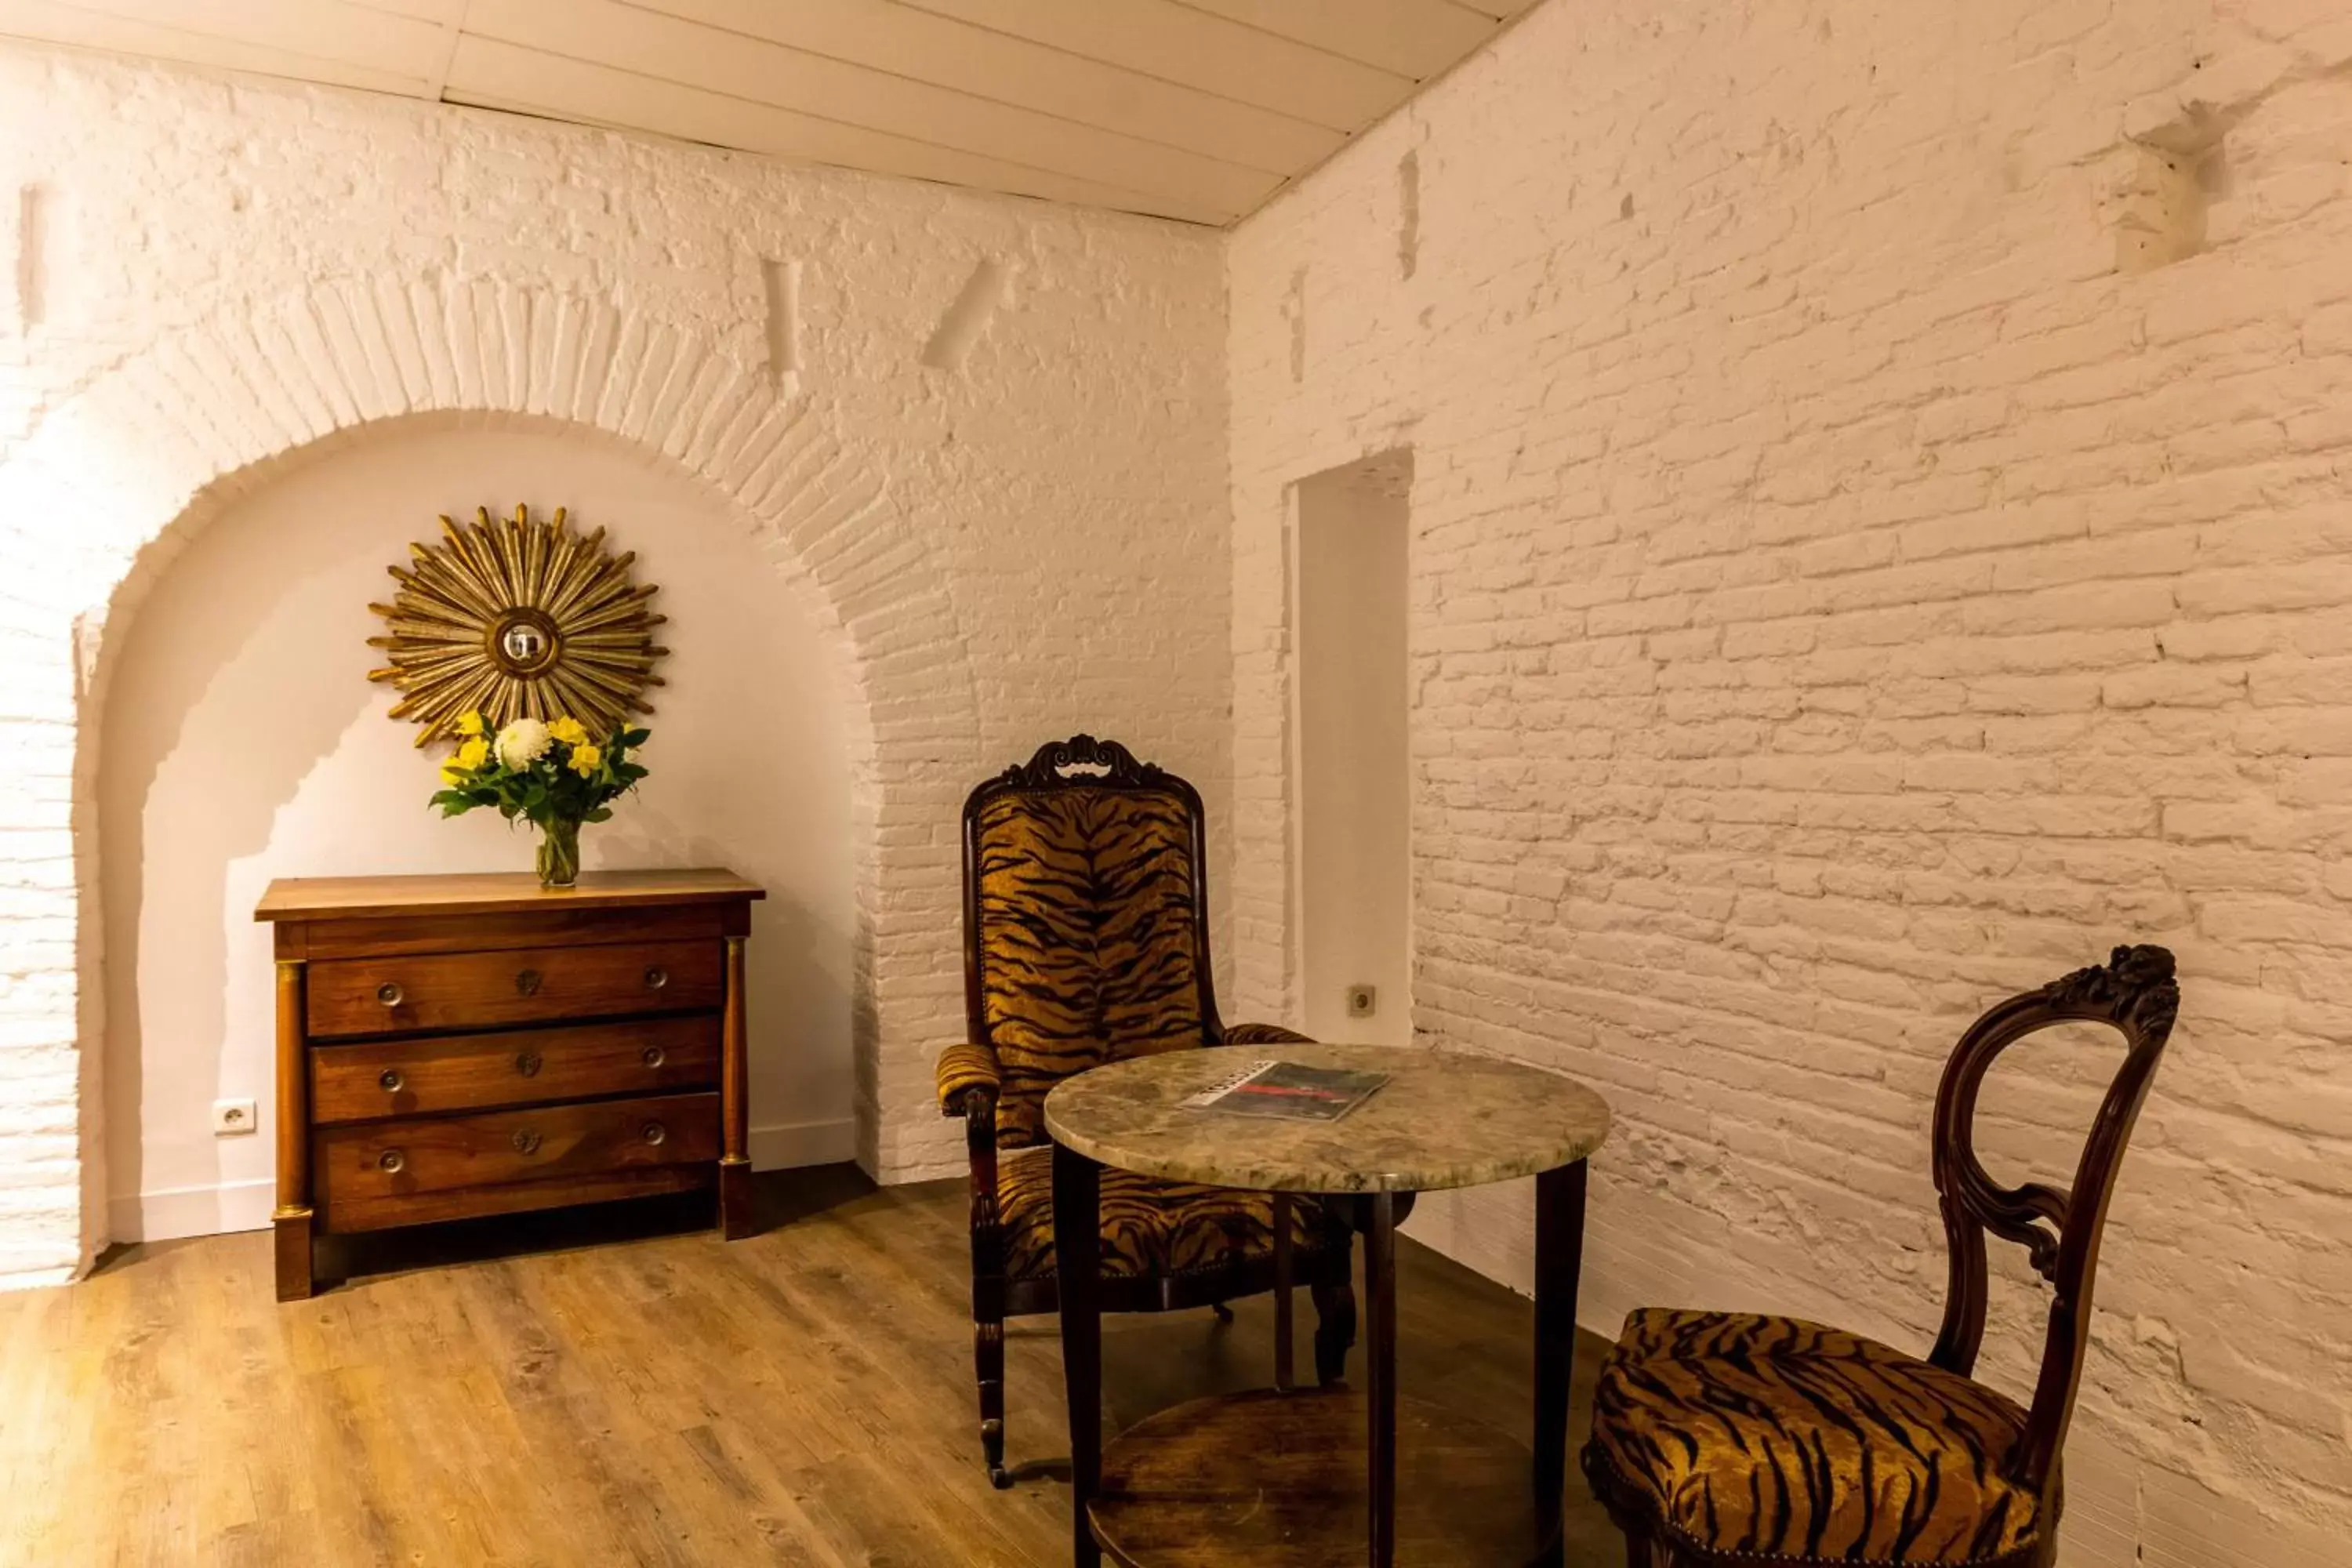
493,893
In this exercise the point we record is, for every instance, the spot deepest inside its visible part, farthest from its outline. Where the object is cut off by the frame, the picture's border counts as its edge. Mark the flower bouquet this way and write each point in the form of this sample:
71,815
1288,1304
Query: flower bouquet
549,772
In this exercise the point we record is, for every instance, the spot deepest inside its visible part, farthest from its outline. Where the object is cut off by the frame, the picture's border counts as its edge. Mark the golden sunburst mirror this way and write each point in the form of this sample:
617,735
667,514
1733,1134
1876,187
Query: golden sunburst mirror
518,619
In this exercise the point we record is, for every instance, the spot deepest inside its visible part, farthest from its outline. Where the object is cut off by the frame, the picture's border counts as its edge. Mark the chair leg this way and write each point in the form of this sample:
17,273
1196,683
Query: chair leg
1335,1330
988,1360
1641,1551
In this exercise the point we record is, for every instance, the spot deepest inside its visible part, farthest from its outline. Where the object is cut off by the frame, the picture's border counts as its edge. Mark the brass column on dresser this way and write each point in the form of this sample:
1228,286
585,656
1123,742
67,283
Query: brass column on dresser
456,1046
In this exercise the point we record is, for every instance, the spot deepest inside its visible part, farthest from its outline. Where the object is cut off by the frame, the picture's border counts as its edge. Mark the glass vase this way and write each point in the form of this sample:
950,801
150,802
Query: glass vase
559,852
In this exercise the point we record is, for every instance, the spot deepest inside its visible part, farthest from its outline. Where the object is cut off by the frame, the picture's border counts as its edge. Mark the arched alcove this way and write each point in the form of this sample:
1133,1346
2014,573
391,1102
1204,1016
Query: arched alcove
154,447
241,741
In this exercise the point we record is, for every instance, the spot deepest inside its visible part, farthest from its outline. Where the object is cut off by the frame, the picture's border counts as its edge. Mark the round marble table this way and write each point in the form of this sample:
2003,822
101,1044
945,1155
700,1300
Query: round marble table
1441,1120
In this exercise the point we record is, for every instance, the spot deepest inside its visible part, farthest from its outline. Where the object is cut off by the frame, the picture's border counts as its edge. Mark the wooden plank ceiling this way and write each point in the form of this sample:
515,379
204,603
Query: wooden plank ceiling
1197,109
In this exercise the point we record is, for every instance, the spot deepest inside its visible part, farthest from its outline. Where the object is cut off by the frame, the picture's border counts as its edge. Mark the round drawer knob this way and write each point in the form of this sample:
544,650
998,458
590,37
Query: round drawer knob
527,1063
655,977
526,1141
654,1131
392,1080
389,994
391,1162
655,1056
527,982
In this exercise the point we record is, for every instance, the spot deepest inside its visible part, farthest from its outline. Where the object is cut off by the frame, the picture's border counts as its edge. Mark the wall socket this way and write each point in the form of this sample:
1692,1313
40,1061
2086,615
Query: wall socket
1364,1001
234,1117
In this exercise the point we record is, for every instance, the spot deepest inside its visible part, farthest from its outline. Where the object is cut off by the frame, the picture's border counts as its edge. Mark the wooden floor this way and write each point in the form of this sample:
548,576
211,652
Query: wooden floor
618,1388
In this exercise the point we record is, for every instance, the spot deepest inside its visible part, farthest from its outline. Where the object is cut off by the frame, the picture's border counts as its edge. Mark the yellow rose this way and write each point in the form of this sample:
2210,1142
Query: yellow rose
585,758
451,773
472,754
469,722
569,731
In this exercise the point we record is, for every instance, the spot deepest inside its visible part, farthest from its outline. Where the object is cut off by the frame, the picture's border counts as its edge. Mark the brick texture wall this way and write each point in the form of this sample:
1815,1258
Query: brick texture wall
1880,537
1010,535
1877,540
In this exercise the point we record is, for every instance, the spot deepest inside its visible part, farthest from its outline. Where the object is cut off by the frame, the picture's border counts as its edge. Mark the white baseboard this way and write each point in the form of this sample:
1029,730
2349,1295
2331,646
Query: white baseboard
176,1212
929,1171
37,1278
787,1144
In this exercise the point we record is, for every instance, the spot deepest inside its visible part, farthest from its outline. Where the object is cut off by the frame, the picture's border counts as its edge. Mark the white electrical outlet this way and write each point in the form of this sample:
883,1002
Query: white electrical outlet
1364,1001
234,1117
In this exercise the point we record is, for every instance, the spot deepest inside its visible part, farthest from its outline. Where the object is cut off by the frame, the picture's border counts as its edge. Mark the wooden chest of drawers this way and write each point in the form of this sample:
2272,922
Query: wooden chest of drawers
451,1047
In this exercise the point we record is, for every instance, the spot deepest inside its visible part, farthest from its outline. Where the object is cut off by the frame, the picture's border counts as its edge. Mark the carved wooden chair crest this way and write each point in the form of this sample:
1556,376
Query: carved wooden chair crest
1087,940
1722,1439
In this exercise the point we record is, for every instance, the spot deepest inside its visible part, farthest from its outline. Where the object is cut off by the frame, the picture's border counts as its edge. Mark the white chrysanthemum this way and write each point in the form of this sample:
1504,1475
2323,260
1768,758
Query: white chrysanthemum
523,742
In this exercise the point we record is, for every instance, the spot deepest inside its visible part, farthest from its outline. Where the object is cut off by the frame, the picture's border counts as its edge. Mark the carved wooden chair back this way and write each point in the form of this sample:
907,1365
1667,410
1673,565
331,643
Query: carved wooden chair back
2134,994
1085,919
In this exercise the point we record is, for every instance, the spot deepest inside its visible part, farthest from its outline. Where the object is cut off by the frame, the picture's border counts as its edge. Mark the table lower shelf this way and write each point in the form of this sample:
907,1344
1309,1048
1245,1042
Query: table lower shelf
1279,1480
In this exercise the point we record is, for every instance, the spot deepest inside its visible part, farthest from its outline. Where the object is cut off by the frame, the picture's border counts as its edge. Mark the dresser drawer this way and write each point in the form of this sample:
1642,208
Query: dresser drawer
375,938
521,1067
471,990
359,1167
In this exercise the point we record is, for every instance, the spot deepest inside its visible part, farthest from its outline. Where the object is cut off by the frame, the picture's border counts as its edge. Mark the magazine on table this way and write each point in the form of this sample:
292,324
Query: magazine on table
1286,1091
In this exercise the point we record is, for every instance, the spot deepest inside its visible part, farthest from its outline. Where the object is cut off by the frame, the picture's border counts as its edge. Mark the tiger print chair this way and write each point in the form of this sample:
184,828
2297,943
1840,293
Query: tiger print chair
1721,1439
1087,940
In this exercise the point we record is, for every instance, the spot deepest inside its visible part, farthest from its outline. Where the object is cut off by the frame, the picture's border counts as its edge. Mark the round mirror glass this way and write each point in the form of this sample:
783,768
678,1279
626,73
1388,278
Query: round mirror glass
525,644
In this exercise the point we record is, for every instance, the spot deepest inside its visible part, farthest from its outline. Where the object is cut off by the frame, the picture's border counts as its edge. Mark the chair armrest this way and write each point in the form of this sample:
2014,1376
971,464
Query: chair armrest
970,1080
1264,1035
963,1070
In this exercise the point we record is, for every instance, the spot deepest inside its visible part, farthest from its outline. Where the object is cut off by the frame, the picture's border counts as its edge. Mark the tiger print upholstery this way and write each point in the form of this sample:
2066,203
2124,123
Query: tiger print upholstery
1150,1228
1087,928
1776,1440
963,1068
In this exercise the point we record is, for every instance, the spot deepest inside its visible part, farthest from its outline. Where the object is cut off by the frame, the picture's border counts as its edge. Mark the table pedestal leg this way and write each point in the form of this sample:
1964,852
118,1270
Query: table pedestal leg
1283,1269
1559,1252
1078,1264
1379,1293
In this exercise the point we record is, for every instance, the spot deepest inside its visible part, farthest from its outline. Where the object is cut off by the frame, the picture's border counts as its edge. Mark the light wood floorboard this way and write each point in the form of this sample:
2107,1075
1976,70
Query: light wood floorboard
620,1387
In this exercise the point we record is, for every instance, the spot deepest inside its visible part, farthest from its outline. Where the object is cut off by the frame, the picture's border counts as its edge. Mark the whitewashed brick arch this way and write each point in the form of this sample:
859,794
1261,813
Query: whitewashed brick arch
145,453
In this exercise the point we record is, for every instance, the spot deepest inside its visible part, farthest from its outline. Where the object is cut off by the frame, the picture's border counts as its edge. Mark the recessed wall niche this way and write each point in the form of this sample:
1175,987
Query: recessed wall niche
1353,762
243,740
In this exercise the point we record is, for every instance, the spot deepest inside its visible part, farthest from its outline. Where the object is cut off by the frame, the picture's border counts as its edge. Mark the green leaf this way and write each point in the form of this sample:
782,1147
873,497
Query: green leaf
599,814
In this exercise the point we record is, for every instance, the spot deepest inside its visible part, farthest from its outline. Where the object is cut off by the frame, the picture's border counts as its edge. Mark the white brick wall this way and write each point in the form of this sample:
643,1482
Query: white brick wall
1853,578
1028,542
1851,582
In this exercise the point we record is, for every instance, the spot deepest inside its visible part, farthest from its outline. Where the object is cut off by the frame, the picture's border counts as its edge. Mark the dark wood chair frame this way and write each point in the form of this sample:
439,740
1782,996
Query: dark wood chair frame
1083,762
2133,993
